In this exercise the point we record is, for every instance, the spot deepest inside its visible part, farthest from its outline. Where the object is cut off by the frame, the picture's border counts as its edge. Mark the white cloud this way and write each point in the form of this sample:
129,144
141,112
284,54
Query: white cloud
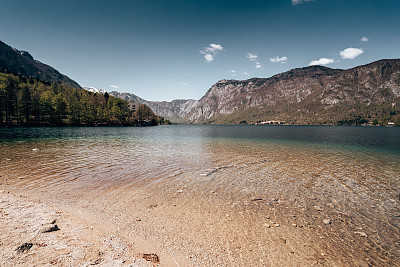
247,74
296,2
252,57
233,72
278,59
364,39
210,51
258,65
215,47
114,86
184,83
351,53
209,57
321,61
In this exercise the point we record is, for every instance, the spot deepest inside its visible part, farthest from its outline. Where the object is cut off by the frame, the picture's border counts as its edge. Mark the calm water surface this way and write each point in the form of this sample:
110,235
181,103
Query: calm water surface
349,170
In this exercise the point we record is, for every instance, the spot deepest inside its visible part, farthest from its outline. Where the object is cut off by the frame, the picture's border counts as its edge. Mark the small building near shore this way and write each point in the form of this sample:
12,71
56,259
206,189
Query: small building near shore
272,122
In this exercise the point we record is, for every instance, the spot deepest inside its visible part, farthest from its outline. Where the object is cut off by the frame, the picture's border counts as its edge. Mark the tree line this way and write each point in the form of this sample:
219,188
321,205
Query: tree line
31,102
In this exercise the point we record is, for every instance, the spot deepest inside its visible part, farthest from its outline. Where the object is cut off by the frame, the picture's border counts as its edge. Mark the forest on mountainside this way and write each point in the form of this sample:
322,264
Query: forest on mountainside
31,102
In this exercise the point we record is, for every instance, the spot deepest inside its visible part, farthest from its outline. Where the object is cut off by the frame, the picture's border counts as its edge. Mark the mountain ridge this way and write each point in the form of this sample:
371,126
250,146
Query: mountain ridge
304,96
21,62
308,95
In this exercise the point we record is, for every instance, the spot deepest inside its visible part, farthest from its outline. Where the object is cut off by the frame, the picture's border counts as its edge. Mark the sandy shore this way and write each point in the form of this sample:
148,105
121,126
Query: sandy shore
35,234
44,233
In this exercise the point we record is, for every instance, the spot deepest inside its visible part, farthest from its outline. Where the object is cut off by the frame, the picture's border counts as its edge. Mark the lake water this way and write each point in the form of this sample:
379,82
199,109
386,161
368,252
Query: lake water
207,194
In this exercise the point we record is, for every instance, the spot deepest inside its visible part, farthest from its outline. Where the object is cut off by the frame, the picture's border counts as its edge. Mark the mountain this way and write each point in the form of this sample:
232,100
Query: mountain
174,110
35,94
31,102
22,63
310,95
95,90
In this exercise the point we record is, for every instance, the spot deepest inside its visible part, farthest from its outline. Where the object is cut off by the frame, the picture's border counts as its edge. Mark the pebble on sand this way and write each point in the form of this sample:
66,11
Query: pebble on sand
318,208
326,221
361,233
48,228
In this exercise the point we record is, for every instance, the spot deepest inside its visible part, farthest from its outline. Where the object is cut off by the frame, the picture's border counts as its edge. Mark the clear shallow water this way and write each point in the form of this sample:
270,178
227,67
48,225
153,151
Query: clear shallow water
347,170
162,150
379,138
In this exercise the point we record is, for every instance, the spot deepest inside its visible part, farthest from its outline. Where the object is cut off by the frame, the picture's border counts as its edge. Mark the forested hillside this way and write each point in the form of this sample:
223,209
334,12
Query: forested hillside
31,102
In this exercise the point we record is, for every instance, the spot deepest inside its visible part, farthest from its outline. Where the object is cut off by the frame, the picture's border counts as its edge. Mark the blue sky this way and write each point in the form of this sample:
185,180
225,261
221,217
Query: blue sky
175,49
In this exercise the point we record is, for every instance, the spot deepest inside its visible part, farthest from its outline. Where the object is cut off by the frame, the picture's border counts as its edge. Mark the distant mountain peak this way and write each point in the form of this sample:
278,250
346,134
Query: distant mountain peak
94,90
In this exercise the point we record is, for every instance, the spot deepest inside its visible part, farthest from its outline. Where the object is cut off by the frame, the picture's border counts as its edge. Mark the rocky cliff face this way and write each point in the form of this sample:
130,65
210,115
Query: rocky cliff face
174,110
311,95
22,63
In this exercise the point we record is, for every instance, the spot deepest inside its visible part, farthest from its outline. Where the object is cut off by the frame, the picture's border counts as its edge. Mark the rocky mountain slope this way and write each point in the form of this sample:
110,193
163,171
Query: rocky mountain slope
310,95
22,63
174,110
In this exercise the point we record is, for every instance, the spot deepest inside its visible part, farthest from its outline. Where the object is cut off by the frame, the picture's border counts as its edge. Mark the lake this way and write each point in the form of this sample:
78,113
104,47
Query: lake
205,195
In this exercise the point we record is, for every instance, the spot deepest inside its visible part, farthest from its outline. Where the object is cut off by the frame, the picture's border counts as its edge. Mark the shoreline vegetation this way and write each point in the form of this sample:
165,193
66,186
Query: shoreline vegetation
31,102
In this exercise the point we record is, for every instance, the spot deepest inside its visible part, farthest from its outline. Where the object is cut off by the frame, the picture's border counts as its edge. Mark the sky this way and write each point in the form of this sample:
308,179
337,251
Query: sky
177,49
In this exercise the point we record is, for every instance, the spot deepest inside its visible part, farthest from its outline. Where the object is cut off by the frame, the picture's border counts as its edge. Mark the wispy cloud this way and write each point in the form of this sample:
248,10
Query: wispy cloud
114,86
233,73
364,39
278,59
321,61
184,83
258,65
296,2
351,53
246,73
251,56
211,51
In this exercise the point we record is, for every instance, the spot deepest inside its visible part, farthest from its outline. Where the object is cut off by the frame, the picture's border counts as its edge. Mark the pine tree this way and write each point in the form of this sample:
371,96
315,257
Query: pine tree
26,104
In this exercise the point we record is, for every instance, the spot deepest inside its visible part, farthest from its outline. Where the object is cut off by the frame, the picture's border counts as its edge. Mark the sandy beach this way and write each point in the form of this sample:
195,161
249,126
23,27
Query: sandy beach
36,234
